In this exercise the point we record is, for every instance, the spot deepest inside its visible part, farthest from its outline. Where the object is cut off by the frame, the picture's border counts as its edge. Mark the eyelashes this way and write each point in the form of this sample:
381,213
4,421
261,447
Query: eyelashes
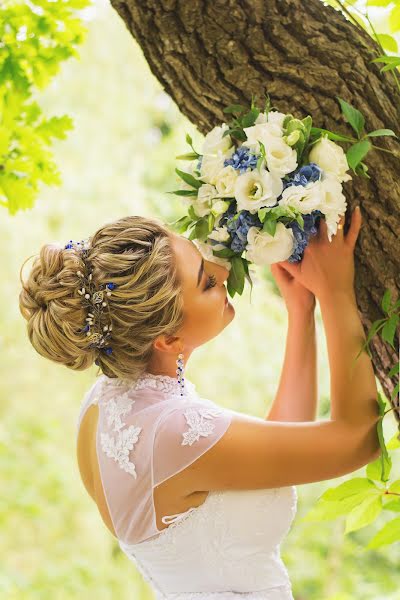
212,280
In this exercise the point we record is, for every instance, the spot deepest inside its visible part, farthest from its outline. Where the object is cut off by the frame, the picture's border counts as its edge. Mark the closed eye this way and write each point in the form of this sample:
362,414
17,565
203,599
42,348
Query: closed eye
211,281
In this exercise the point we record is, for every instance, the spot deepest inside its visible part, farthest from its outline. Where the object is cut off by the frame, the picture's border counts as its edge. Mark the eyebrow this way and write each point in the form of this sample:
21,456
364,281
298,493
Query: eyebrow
200,272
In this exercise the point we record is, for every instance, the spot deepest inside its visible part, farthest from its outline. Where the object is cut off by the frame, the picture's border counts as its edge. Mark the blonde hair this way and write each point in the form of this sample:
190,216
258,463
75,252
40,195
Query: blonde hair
136,254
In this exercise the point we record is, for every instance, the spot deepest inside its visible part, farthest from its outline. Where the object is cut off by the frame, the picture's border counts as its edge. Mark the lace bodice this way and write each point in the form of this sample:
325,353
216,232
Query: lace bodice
147,432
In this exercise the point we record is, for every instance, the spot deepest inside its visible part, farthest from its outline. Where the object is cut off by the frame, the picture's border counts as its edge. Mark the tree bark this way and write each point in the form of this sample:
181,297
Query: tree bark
211,53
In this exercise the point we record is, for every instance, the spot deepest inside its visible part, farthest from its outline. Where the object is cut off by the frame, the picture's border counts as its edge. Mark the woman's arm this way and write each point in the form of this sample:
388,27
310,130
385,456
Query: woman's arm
297,395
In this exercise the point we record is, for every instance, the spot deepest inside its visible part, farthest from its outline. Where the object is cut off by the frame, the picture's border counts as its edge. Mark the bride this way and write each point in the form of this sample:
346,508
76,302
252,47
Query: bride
198,496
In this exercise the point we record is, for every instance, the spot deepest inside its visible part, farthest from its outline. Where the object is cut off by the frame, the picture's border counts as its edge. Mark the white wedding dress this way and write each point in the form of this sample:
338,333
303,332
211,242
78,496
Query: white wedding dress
228,547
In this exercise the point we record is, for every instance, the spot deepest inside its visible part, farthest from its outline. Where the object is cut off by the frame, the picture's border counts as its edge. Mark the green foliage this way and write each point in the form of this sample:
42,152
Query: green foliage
33,47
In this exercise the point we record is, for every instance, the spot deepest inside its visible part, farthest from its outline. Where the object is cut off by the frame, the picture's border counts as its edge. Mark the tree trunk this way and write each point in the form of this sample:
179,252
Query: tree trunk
211,53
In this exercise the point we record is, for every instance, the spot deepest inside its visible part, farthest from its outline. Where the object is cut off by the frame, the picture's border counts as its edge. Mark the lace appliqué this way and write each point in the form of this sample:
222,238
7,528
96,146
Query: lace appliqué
200,425
162,383
119,446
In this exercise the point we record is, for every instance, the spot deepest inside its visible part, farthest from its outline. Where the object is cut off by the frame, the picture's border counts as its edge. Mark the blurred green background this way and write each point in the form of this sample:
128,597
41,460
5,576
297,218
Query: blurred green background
120,160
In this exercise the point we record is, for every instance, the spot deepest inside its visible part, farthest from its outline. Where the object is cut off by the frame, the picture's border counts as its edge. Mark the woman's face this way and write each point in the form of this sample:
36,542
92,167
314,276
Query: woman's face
204,294
206,313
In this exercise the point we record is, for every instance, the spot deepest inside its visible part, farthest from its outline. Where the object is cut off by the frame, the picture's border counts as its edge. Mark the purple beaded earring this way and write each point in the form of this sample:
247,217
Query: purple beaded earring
180,373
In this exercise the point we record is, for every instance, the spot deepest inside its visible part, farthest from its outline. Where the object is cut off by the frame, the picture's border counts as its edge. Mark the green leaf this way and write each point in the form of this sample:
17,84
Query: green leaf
392,62
184,192
188,156
379,132
374,469
270,226
250,117
357,152
388,42
394,442
326,510
224,253
236,274
235,108
395,487
336,137
392,505
389,329
364,514
386,300
395,370
389,533
348,488
189,179
352,115
394,19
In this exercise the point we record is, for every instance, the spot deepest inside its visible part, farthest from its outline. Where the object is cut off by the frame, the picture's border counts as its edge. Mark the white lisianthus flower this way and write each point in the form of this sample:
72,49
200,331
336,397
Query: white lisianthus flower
262,118
333,202
261,133
302,198
225,181
207,253
255,189
213,164
281,158
203,203
331,158
214,143
219,234
273,118
276,118
265,249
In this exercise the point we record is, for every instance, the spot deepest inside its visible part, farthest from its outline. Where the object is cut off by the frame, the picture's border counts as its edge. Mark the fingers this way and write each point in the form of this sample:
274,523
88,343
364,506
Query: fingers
354,229
340,231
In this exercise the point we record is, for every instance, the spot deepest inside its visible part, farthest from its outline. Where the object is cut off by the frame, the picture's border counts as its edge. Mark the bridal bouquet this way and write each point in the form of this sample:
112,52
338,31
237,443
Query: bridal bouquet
260,186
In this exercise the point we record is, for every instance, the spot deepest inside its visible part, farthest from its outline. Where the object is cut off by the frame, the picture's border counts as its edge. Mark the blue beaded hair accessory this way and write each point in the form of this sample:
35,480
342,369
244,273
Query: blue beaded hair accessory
95,299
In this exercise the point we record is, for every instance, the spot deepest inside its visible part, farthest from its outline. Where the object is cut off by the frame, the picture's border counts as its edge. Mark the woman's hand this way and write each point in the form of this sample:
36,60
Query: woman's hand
297,297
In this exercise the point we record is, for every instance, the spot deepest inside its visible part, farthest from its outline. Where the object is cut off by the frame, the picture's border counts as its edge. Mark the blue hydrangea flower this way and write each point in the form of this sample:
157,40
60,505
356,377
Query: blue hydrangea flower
306,174
239,229
242,159
301,237
198,167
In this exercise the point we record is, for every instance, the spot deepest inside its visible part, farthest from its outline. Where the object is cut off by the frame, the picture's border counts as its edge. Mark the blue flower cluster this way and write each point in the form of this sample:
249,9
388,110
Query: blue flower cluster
301,237
304,175
242,159
239,227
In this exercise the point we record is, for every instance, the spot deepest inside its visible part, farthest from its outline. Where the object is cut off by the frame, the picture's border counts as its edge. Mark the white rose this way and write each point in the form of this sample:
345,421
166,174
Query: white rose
203,203
255,189
265,249
213,164
214,143
225,181
305,199
207,253
333,202
331,158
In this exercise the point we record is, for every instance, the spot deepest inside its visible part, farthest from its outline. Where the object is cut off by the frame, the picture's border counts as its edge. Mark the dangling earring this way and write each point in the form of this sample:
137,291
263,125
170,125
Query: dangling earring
180,372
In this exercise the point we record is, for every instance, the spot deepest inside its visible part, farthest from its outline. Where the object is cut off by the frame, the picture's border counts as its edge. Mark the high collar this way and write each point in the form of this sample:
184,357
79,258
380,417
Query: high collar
163,383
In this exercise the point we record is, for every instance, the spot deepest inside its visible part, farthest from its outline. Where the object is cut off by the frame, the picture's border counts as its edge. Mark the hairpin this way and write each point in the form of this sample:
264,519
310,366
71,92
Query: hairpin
95,299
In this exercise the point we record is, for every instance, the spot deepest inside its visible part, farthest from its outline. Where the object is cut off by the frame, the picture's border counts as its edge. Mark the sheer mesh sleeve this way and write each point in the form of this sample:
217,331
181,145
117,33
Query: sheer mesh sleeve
185,434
